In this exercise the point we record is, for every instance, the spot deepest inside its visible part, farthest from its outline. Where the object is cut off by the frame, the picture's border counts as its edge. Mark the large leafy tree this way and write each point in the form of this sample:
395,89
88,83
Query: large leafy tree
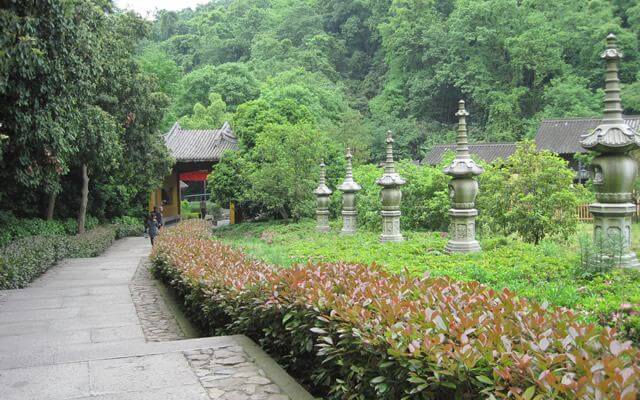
75,101
44,75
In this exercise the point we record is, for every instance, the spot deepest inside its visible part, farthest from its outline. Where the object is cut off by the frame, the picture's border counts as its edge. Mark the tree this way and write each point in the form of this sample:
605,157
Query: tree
209,117
44,74
233,81
530,194
155,61
253,117
285,170
99,150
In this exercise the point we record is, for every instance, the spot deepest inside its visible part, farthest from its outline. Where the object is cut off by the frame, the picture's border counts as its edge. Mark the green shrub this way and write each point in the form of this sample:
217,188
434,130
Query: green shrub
545,272
26,258
70,226
425,198
92,243
128,226
12,228
599,255
359,332
531,194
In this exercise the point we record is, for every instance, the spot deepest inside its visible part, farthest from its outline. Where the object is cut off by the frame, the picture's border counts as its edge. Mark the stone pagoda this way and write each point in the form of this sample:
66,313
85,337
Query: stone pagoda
349,189
391,197
463,189
322,193
613,171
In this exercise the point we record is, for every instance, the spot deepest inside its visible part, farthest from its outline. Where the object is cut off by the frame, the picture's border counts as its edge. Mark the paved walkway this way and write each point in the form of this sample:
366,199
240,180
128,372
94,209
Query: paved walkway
98,329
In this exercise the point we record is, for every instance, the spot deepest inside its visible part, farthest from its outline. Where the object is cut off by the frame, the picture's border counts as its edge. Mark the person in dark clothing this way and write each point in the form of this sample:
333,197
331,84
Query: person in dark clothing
158,215
152,227
203,208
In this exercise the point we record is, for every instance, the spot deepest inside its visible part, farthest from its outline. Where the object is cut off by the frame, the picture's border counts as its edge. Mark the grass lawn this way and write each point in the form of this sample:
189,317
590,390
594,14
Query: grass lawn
547,272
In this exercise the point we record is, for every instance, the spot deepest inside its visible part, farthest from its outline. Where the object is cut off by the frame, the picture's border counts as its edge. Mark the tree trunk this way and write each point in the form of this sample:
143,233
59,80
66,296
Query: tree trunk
52,205
85,199
283,213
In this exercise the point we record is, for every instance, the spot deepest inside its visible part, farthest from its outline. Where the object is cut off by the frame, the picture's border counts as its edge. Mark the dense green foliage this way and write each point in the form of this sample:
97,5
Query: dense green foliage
346,71
355,331
73,95
531,194
24,259
425,198
548,272
373,65
12,228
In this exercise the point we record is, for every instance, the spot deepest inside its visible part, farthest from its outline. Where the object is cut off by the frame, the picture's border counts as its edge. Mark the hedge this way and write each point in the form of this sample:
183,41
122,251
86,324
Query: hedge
12,228
359,332
128,226
24,259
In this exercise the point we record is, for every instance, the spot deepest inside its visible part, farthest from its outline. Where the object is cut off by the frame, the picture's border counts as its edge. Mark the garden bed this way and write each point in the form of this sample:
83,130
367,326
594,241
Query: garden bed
358,331
549,272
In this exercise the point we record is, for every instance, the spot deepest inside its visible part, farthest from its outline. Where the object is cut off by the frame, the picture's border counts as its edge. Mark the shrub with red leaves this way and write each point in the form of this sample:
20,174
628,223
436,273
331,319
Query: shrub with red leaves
359,332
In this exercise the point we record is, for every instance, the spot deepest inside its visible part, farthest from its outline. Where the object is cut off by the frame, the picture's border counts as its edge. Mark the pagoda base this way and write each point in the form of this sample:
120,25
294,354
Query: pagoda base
614,220
462,231
391,226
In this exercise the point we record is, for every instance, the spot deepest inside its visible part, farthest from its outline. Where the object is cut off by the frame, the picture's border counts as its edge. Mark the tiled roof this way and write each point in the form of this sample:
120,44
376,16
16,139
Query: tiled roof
200,145
562,136
485,151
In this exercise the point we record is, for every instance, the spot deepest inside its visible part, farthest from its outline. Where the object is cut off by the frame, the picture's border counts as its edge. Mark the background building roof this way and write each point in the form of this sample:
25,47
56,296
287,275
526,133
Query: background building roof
488,152
562,136
200,145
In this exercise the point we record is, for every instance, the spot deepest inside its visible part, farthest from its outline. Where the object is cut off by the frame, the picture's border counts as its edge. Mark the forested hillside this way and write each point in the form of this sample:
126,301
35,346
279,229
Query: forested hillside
352,69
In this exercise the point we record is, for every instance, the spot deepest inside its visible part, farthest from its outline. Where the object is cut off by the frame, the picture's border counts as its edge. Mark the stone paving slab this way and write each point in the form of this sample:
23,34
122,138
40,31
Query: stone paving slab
99,329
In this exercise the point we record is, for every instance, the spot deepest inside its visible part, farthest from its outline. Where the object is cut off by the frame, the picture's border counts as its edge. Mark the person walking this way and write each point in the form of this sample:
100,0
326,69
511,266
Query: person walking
203,208
158,215
152,227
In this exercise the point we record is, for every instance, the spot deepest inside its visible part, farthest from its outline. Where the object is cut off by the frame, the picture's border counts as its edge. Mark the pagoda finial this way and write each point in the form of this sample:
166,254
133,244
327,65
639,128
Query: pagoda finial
348,156
322,173
389,167
613,135
462,148
612,102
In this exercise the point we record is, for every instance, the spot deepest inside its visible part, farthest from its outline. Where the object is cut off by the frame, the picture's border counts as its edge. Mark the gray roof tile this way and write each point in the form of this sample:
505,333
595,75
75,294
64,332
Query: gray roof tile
562,136
200,145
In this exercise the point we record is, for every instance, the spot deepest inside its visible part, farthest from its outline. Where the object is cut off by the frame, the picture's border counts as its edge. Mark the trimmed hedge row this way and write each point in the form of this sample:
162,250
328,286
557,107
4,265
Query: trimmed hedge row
24,259
128,226
358,332
12,228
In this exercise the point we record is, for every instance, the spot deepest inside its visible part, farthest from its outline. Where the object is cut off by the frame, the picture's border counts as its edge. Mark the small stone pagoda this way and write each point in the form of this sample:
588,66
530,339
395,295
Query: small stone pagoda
391,197
613,170
322,193
463,189
349,189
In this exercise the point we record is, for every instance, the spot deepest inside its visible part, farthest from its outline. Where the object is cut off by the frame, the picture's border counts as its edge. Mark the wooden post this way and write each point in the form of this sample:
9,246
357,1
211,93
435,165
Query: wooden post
232,214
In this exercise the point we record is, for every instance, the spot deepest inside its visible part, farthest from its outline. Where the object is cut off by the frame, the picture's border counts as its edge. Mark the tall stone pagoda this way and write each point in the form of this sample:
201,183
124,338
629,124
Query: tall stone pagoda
613,171
463,189
391,197
322,193
349,189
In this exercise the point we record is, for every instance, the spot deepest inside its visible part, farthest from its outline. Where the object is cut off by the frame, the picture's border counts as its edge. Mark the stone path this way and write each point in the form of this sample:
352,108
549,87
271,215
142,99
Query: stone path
97,329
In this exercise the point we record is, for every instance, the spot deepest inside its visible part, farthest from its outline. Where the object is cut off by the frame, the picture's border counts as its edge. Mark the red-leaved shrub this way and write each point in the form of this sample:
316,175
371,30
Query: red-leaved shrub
359,332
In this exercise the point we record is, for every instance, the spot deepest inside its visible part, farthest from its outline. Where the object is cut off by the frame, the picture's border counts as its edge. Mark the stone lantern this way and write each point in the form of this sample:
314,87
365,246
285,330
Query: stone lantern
391,198
322,193
349,189
613,171
463,189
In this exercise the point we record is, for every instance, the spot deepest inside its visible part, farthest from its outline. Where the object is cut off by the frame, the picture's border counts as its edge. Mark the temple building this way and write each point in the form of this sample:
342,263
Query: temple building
560,136
195,153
